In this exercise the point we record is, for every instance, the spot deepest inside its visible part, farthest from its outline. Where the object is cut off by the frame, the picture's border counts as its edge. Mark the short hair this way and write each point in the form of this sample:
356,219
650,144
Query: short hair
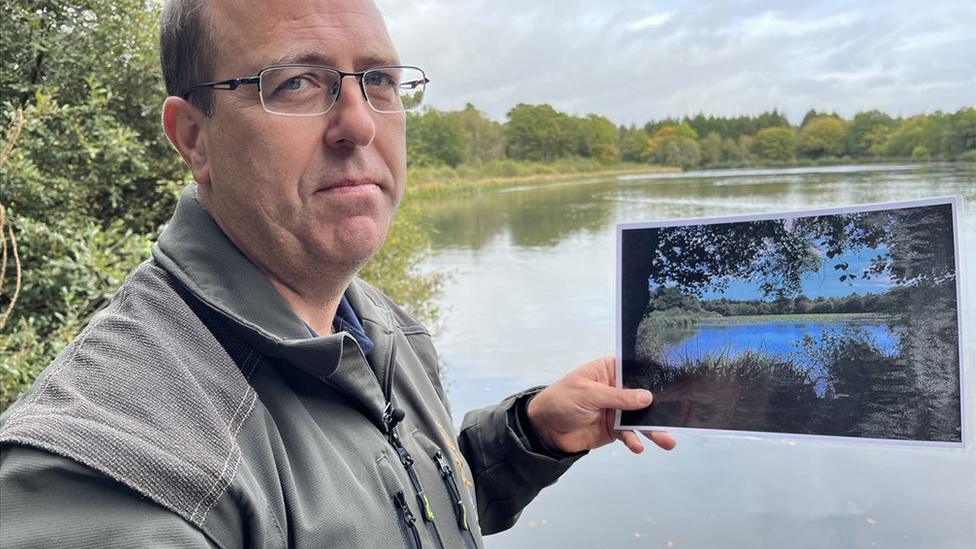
187,50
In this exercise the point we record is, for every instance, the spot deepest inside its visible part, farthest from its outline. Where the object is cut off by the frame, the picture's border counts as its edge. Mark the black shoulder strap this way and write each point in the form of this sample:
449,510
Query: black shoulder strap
219,327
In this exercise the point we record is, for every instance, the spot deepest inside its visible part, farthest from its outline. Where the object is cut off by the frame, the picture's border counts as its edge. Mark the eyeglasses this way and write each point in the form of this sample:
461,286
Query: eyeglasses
311,90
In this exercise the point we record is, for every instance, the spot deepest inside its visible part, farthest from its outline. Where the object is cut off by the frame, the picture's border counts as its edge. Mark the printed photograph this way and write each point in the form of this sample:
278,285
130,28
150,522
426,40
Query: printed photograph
840,323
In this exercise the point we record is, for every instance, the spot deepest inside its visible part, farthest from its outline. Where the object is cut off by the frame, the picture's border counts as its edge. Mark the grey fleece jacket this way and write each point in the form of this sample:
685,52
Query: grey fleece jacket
195,411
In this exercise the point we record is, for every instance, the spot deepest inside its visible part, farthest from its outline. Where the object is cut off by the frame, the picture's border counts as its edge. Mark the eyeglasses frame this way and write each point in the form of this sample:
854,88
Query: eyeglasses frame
234,83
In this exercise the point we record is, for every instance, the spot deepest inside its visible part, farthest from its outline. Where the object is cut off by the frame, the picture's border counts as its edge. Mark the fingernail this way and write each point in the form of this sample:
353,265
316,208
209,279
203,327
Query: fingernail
644,397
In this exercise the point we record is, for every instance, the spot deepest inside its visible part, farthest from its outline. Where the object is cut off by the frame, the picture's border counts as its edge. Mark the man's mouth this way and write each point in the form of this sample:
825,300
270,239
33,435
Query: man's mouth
350,186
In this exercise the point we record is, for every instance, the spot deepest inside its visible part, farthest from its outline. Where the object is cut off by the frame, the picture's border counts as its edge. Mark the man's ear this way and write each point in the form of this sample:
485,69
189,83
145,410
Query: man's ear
185,127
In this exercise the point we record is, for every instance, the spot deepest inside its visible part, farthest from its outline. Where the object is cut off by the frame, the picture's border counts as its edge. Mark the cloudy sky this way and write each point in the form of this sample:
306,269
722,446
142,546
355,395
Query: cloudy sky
633,61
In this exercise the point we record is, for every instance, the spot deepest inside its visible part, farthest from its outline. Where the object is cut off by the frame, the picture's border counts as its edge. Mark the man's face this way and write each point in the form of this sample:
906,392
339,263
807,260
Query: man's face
302,196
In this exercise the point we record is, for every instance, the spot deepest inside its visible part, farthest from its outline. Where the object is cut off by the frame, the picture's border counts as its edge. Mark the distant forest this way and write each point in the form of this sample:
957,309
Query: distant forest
540,133
670,299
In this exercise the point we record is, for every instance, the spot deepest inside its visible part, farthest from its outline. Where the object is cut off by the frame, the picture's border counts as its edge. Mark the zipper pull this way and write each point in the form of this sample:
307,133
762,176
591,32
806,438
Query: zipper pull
407,516
442,465
401,502
392,416
460,512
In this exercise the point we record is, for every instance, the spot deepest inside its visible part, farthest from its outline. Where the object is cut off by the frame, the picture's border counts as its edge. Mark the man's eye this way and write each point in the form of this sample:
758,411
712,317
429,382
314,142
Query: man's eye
298,83
379,79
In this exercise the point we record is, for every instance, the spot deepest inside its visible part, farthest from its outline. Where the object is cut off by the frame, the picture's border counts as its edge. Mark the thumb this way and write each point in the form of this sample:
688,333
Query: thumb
622,399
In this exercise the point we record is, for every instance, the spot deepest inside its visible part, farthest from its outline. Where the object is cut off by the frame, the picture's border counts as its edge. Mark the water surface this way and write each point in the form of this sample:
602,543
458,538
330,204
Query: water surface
779,337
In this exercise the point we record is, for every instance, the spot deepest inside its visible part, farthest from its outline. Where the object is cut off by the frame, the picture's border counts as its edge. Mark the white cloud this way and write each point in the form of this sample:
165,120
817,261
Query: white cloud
648,22
635,60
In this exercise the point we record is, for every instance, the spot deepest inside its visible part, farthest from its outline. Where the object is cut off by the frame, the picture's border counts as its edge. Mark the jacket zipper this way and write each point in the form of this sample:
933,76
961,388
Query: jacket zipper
460,512
408,524
391,417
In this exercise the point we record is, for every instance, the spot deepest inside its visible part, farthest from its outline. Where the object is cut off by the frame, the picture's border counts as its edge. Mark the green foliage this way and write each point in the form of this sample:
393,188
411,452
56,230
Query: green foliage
775,143
868,132
711,148
822,136
90,177
674,145
886,303
726,127
484,139
539,133
959,134
916,131
434,138
394,267
599,137
633,142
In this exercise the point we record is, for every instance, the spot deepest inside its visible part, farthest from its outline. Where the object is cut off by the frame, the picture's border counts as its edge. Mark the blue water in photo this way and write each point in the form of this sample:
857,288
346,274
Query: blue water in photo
781,337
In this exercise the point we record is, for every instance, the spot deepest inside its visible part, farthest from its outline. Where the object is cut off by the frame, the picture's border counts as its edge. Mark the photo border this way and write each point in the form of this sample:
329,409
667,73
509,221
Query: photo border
954,201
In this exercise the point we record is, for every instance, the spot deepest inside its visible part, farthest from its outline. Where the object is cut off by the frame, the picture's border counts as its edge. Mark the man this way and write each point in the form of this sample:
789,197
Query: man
244,388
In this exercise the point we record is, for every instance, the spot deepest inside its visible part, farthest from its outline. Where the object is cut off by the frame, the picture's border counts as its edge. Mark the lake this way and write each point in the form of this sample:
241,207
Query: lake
777,337
531,295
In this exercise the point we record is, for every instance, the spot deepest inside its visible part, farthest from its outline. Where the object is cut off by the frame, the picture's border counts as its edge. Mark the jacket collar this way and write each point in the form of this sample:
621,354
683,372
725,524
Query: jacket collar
199,255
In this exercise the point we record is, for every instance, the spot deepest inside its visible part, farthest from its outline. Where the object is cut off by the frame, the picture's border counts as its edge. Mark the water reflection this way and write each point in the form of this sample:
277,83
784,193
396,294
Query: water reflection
532,295
530,217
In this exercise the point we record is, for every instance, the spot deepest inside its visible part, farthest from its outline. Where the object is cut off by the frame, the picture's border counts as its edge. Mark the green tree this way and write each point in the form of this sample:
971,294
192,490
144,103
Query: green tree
911,133
733,151
633,142
868,132
959,134
711,148
90,177
434,137
775,143
674,145
484,138
823,136
599,136
539,133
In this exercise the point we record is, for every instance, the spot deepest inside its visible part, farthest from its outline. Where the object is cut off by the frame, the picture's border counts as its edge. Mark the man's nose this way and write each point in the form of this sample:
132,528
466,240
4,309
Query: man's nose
352,120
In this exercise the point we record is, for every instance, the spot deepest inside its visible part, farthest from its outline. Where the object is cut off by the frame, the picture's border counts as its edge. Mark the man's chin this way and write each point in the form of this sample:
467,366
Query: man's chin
355,243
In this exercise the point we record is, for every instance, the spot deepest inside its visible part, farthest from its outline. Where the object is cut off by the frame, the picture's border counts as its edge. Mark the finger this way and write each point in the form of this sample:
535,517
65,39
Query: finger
606,397
662,439
631,440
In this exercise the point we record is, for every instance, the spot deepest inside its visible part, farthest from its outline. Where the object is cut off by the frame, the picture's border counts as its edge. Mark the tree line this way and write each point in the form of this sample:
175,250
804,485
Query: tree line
666,298
541,133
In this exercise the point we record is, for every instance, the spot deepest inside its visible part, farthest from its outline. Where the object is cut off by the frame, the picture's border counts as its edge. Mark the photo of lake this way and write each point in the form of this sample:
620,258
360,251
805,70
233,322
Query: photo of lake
840,323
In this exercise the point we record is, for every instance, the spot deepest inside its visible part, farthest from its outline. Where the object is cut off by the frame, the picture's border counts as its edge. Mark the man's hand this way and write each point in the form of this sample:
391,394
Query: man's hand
577,412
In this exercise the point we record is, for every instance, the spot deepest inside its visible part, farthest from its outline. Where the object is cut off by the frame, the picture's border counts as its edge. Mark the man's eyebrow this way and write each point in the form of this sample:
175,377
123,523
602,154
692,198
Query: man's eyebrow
365,61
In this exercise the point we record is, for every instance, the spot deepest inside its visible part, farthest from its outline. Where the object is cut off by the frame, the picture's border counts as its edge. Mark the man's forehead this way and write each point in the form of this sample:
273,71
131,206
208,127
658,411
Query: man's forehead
366,56
245,28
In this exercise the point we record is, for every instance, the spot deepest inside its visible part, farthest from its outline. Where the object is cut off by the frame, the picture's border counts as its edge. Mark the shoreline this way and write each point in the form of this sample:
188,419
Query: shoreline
796,317
419,186
431,182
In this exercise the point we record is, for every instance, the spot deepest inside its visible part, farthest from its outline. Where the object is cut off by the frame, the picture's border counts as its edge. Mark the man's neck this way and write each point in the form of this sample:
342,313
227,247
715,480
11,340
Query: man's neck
318,311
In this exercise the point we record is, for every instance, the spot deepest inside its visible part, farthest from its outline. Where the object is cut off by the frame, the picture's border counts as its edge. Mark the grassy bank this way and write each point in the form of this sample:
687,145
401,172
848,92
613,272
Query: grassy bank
428,181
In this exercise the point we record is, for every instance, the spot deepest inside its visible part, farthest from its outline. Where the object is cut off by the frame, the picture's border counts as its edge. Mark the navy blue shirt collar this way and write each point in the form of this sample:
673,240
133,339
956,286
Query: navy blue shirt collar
346,320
